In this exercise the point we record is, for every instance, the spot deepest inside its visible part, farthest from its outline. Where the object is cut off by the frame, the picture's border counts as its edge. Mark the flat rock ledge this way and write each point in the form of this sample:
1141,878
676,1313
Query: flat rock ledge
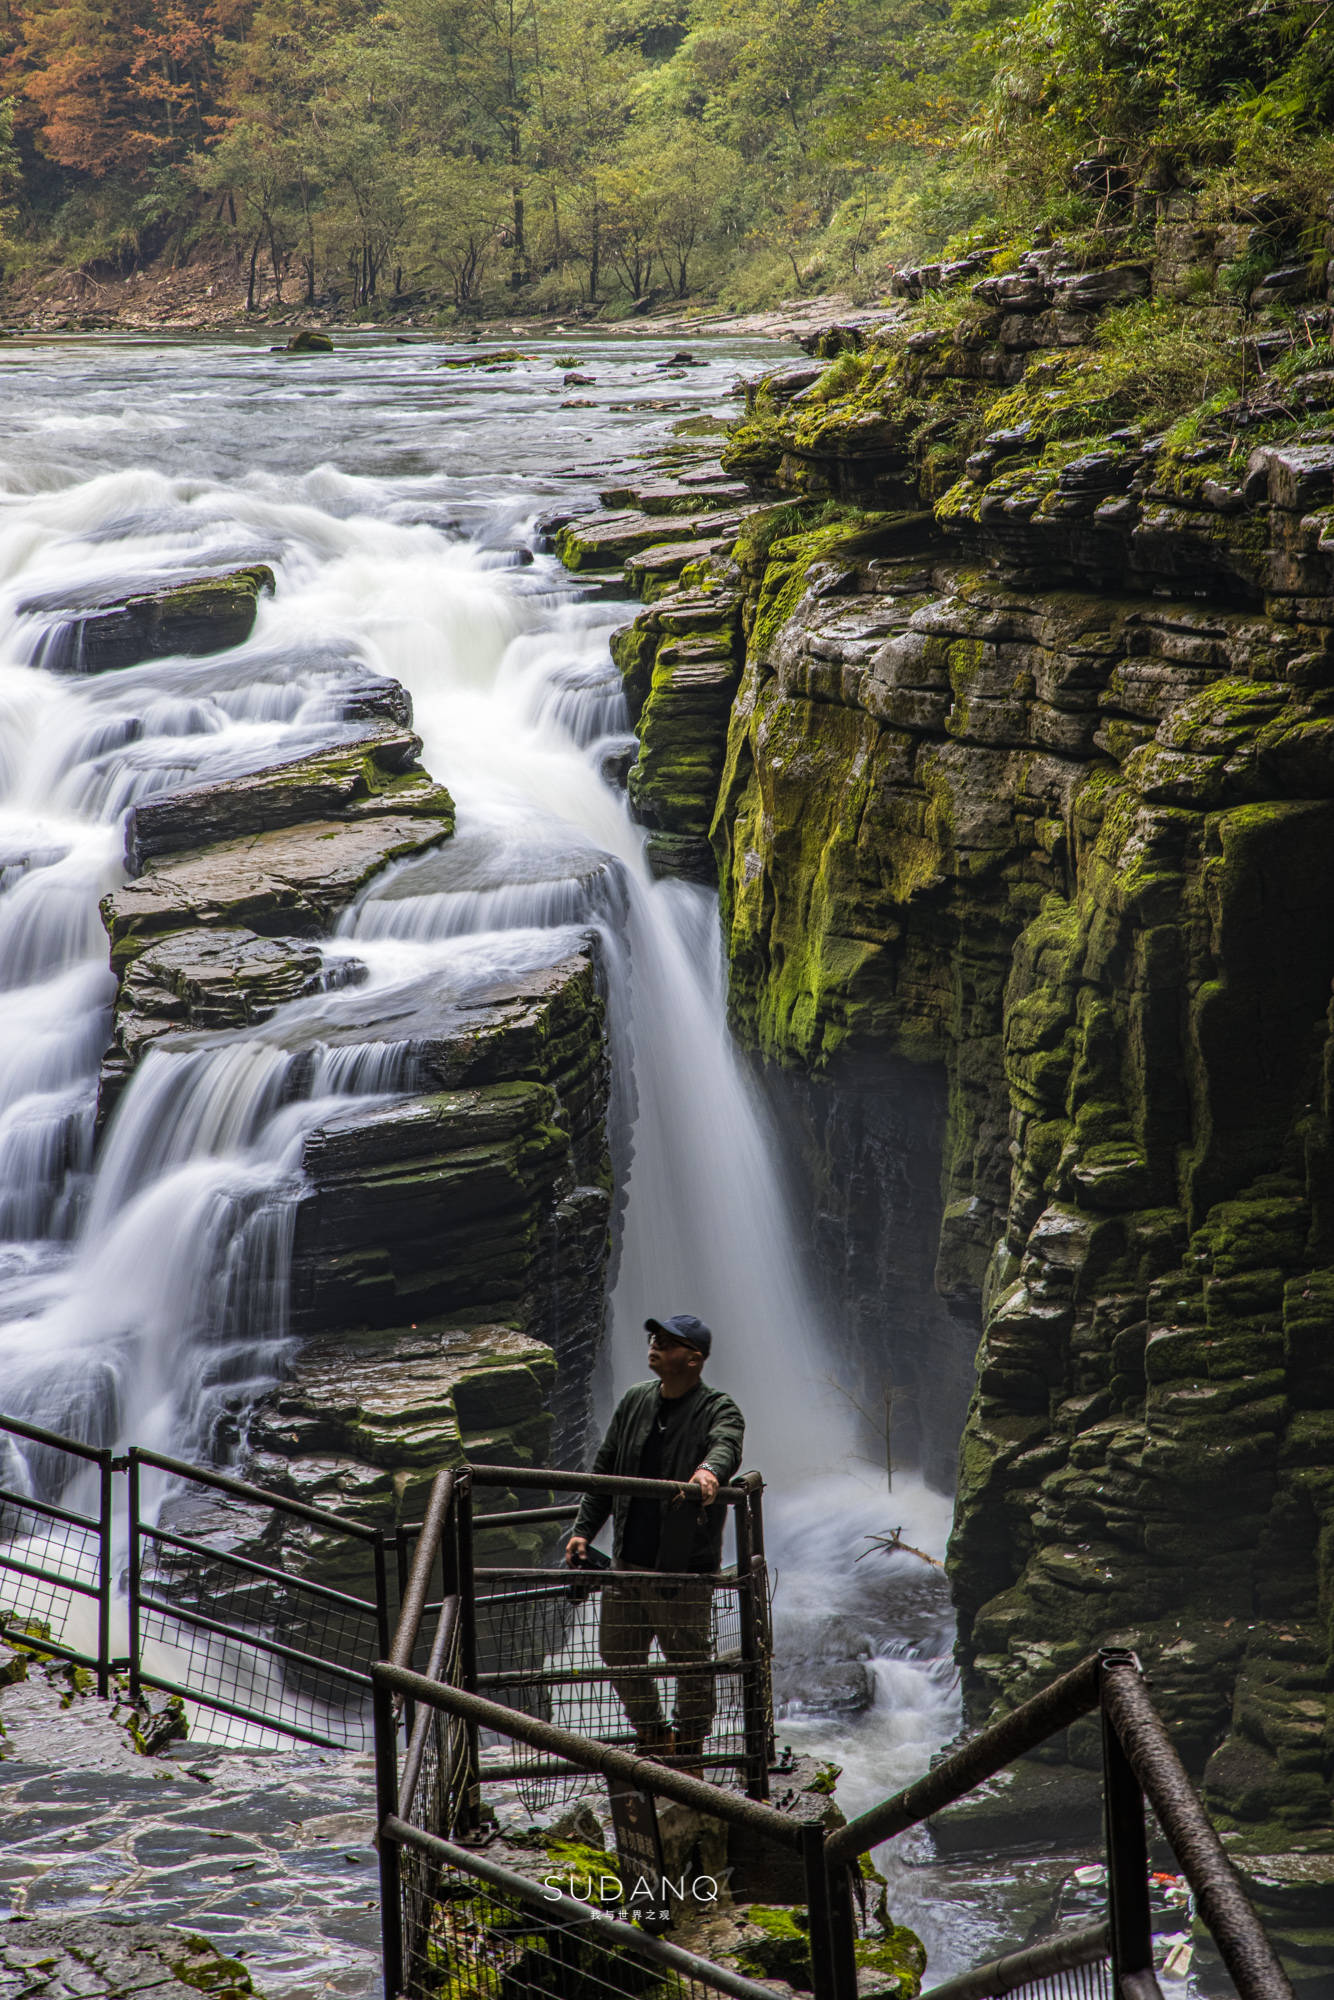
60,1958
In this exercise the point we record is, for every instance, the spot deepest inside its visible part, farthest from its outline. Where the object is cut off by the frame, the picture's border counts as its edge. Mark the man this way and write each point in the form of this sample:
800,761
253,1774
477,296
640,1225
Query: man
677,1429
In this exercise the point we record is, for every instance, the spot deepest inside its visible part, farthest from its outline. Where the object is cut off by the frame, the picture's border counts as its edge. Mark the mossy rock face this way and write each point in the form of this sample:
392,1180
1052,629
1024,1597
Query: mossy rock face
681,664
1031,780
309,341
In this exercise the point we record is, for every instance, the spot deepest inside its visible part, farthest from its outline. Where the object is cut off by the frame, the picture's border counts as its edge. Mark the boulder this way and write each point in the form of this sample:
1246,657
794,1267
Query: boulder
199,614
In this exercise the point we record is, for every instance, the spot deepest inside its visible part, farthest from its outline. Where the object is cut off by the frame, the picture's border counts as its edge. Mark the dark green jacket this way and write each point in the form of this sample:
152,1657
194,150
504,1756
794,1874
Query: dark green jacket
692,1536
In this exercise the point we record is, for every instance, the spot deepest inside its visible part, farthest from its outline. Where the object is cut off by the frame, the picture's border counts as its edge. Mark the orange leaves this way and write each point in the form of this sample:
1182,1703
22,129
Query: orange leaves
122,86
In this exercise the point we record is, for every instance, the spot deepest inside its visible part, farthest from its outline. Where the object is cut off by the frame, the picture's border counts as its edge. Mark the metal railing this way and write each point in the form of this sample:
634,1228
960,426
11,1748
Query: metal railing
574,1647
1139,1765
530,1634
265,1648
428,1811
258,1645
57,1555
424,1874
261,1646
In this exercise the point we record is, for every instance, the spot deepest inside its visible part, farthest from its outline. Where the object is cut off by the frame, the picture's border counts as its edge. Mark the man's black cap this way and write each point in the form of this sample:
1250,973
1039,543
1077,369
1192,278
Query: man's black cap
684,1327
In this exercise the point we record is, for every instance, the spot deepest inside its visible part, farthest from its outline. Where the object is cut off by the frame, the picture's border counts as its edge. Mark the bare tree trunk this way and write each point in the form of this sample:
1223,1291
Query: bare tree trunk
250,282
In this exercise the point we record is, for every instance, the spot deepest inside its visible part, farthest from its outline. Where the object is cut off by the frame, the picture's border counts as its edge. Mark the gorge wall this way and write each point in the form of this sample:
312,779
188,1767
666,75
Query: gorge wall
1010,721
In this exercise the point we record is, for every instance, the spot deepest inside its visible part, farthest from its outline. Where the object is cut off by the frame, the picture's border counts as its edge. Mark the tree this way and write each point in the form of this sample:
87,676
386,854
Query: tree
472,63
457,211
121,86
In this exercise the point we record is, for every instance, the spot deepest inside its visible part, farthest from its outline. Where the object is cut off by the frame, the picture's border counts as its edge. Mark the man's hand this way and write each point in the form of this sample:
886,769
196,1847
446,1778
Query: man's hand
576,1551
702,1477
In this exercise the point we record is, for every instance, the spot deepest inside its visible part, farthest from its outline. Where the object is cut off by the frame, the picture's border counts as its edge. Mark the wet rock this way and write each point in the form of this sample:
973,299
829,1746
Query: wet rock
195,615
1028,1803
294,881
208,980
59,1956
374,774
484,1197
598,541
367,1420
656,569
309,341
215,979
155,1721
669,496
681,665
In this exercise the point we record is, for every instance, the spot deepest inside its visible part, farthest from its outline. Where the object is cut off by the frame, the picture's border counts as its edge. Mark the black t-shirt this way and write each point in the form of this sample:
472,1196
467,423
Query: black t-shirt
643,1527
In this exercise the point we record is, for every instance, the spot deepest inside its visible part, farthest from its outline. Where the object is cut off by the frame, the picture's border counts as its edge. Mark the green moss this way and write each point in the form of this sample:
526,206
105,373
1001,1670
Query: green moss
789,562
898,1961
783,1949
578,1858
201,1965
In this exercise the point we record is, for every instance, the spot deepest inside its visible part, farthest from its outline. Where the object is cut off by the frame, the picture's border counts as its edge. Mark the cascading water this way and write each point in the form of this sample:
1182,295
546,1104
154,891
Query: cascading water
139,1300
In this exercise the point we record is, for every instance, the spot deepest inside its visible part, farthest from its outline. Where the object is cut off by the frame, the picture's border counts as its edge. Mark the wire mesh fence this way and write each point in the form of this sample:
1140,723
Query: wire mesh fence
654,1662
1081,1982
224,1610
502,1939
55,1544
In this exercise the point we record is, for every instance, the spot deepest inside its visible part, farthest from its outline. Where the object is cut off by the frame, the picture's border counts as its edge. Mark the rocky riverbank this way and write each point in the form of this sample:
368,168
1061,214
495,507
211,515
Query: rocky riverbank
1007,727
205,293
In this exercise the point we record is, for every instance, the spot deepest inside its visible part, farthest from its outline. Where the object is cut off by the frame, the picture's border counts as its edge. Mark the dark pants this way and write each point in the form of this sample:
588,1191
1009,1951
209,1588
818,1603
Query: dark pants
680,1617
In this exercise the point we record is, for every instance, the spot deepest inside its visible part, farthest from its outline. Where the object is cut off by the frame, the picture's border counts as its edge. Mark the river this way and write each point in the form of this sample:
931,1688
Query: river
141,1290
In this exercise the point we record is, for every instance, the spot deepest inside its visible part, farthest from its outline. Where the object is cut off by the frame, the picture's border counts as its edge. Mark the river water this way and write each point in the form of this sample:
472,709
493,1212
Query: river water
143,1292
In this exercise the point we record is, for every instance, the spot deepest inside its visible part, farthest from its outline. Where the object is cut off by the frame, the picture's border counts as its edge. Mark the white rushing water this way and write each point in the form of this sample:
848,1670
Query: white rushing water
139,1298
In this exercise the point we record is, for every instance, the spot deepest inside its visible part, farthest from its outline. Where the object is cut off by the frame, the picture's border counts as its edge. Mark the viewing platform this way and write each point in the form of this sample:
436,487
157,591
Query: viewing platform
528,1842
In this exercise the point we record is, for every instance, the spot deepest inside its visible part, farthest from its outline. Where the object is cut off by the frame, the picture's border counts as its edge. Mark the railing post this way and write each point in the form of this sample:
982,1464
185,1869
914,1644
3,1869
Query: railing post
402,1560
472,1791
104,1558
1128,1913
386,1806
383,1637
754,1708
832,1930
133,1607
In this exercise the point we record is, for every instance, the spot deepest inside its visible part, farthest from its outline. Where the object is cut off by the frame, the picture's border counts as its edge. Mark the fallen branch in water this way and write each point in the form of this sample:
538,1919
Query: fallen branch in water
893,1541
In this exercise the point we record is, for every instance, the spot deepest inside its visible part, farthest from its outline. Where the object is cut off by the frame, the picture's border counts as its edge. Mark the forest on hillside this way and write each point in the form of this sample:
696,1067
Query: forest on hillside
592,154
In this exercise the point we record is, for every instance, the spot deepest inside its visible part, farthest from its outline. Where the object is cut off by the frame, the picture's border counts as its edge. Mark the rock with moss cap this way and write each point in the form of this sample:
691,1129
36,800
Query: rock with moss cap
123,1956
202,614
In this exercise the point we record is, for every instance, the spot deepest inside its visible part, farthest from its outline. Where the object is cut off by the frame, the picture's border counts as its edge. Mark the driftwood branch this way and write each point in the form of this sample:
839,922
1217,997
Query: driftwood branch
893,1542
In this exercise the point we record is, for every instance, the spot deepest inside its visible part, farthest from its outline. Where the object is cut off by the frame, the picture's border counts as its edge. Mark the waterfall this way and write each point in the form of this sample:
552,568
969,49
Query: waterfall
144,1299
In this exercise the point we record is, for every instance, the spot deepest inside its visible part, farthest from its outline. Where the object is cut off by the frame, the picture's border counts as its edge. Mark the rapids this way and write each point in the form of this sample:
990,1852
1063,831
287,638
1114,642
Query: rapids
142,1287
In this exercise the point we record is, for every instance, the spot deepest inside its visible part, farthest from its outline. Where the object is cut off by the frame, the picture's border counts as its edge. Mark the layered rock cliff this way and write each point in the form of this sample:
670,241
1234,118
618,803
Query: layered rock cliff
1028,782
449,1237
